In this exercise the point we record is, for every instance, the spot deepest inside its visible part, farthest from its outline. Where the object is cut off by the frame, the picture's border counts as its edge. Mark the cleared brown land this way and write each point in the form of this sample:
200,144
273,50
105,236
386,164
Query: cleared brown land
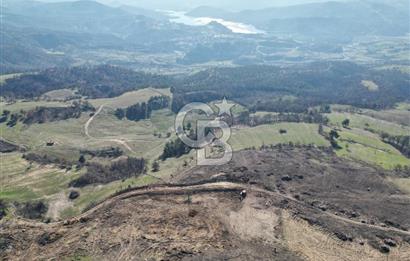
302,204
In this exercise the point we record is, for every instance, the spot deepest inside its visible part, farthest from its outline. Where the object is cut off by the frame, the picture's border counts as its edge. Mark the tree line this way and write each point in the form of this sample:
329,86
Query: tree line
401,142
46,114
98,173
314,84
141,111
101,81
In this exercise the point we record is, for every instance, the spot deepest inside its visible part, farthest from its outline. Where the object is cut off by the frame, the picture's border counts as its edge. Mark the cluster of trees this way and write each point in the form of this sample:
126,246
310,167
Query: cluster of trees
32,210
102,174
6,147
174,149
345,123
95,82
141,111
403,170
402,143
10,118
181,98
104,153
46,114
50,114
333,136
289,145
45,159
280,105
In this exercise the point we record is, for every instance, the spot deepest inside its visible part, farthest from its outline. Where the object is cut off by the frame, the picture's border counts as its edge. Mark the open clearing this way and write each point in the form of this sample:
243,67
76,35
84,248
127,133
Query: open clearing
370,85
301,133
29,105
367,122
130,98
5,77
399,116
22,181
59,95
367,147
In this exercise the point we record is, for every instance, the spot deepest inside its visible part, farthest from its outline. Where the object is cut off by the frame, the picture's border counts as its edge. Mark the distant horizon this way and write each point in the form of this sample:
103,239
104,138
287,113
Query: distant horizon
177,6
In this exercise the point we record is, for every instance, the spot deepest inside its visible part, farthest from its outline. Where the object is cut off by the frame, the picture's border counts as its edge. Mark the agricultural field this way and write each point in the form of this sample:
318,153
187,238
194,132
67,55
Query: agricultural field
366,122
270,134
67,135
23,181
29,105
361,140
365,146
394,115
399,115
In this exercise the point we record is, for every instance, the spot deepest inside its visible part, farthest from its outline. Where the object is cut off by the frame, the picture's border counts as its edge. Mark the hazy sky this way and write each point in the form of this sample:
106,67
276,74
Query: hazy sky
190,4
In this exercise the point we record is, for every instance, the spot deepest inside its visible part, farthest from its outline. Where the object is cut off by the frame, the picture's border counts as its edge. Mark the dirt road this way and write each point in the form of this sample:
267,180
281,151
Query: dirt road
86,130
217,187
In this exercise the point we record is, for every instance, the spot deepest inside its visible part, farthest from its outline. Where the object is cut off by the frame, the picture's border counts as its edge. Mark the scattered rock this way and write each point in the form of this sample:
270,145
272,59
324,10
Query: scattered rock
73,195
84,219
48,238
322,207
384,249
390,242
286,178
343,237
192,213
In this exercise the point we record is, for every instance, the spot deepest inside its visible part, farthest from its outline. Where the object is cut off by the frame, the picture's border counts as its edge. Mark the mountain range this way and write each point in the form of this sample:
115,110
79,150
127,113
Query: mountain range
38,35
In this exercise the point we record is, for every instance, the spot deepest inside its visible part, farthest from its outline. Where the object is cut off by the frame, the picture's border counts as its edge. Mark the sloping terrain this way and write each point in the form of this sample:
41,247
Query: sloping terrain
302,204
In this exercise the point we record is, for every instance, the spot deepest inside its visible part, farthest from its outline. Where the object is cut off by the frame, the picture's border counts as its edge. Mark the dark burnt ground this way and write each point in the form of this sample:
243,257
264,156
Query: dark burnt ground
161,227
324,187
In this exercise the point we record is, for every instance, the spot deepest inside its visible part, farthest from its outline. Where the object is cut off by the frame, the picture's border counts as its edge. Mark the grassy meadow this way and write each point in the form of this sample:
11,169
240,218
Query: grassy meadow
130,98
269,134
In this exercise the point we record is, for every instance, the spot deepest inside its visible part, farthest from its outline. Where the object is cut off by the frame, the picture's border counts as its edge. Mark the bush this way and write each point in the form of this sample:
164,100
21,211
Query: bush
32,210
282,131
3,209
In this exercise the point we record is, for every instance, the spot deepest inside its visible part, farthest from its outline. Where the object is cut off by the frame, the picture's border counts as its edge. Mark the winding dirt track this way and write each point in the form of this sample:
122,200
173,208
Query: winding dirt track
87,124
212,187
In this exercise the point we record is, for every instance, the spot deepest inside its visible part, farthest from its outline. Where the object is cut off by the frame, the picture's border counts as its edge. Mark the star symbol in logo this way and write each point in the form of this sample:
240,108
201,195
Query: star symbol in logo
224,107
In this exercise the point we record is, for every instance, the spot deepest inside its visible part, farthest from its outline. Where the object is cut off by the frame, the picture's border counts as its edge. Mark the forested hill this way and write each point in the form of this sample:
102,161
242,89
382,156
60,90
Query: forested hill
311,84
254,86
96,82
